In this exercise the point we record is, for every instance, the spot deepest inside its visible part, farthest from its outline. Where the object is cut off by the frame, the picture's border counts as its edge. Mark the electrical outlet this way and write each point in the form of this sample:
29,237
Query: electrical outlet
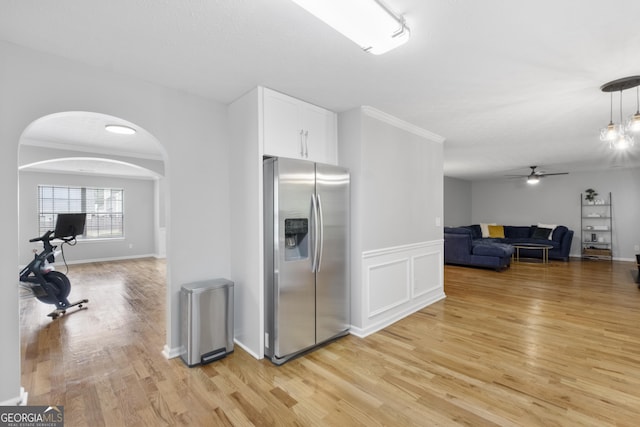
130,245
438,222
636,248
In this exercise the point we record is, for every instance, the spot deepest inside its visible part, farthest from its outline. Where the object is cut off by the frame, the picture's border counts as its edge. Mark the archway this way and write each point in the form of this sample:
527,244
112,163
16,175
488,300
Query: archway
69,148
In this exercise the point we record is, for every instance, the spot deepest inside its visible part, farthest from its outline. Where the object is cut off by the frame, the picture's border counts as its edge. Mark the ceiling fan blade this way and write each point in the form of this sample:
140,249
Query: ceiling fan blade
557,173
516,176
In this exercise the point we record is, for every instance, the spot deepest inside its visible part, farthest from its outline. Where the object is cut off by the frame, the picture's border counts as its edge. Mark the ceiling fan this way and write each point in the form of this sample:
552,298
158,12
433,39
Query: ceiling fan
534,176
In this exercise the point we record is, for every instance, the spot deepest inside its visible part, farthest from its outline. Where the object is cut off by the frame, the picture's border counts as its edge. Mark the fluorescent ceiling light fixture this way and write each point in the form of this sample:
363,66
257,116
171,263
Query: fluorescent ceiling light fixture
120,129
368,23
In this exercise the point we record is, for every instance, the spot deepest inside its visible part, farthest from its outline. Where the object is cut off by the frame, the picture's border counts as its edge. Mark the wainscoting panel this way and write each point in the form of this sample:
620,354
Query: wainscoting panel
423,266
388,285
397,282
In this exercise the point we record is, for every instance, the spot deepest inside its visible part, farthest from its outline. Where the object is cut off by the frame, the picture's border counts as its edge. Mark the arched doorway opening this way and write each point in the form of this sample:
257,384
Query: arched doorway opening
73,150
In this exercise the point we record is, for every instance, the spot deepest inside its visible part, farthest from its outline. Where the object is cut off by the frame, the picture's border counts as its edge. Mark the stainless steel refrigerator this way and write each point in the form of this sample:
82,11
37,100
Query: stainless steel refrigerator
306,211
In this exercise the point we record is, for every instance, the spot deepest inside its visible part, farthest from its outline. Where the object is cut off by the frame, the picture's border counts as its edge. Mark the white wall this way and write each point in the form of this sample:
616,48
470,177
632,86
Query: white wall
556,200
139,207
194,138
396,213
457,202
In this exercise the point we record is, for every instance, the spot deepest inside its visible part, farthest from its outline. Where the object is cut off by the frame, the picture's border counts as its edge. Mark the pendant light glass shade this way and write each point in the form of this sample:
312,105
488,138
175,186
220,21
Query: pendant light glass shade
612,131
633,123
623,142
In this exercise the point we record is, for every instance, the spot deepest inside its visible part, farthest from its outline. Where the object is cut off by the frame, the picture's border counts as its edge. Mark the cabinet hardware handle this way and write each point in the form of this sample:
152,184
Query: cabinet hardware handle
306,144
301,143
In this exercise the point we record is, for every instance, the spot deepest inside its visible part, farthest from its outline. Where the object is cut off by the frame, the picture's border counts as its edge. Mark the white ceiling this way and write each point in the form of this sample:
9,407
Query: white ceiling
508,83
84,132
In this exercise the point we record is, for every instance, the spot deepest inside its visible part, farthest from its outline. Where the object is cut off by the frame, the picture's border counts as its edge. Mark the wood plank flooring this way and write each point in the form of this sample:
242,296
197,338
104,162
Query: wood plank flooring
535,345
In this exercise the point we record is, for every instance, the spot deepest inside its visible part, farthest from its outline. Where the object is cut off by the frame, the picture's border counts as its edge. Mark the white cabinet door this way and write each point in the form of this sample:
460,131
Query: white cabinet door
283,135
297,129
320,134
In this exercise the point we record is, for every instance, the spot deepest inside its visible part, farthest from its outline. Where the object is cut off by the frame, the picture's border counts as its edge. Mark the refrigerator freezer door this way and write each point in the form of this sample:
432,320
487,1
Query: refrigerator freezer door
332,277
294,282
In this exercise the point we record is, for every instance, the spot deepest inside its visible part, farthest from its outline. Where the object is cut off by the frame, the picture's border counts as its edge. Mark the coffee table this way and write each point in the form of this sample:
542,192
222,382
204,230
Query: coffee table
541,247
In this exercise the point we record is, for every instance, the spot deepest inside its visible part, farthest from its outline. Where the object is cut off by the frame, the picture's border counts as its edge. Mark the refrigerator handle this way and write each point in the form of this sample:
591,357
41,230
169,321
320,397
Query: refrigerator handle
314,243
321,237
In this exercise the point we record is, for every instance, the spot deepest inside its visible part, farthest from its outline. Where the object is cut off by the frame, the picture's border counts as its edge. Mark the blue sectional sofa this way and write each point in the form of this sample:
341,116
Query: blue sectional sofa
466,246
561,239
462,249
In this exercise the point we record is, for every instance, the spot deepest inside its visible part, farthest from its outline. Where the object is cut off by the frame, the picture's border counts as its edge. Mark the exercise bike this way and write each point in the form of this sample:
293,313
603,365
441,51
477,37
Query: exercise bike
40,277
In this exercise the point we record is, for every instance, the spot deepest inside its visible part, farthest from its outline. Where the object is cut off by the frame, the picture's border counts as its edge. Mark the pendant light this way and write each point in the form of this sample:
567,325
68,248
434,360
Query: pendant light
611,132
620,135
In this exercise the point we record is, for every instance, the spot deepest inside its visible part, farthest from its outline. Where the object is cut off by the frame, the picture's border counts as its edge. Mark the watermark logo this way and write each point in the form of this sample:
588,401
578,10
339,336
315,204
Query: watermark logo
31,416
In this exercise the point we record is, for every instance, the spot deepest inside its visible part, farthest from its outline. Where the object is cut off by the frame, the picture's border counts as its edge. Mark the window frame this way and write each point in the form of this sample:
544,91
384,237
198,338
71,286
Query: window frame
101,221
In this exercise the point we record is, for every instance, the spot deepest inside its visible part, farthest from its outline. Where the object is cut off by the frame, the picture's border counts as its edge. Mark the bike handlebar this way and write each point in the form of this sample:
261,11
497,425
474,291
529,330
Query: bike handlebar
46,237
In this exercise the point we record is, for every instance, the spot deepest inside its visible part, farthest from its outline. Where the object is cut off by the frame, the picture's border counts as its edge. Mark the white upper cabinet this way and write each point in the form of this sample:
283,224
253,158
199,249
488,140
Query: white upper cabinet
299,130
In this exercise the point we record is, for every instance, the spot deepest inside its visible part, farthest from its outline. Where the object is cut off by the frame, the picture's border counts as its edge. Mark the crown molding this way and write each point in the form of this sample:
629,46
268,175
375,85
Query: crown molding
394,121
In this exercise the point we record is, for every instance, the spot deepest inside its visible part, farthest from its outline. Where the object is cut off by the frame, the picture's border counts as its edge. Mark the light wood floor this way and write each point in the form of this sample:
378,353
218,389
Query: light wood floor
535,345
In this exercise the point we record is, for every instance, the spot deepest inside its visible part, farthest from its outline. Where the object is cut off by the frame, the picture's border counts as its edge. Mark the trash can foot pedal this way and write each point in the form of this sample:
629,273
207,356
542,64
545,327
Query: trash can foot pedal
212,356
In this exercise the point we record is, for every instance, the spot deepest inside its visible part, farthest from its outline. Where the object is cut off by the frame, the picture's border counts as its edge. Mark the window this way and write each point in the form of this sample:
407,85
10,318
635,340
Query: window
104,208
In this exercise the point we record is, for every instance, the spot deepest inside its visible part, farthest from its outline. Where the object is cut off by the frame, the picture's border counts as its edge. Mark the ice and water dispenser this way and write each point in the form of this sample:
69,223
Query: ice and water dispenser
296,235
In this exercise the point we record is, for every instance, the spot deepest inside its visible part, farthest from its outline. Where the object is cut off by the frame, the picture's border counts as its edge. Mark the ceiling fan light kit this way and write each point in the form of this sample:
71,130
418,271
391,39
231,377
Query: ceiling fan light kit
535,176
621,135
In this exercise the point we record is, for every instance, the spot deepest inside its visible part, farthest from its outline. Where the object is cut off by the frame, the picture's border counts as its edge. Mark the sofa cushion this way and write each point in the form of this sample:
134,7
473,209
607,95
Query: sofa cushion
476,232
496,231
492,249
457,230
517,232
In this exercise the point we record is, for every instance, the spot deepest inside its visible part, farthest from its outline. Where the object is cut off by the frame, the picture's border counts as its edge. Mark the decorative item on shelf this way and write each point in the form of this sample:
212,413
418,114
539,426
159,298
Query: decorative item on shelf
621,135
590,197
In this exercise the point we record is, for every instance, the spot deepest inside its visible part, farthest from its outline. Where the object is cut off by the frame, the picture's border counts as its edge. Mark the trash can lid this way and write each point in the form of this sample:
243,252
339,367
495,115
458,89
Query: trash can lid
204,285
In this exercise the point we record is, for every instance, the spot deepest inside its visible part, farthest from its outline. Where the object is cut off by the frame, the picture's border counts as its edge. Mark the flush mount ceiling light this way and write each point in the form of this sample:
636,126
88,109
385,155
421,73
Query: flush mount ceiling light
621,135
368,23
120,129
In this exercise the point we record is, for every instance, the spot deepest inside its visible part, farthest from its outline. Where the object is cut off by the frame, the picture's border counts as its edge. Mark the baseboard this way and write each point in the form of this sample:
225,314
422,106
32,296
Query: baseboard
117,258
248,350
17,401
88,261
371,329
170,353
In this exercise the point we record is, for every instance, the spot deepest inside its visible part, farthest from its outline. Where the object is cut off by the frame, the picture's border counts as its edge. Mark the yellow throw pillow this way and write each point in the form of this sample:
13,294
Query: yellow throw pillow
484,228
496,231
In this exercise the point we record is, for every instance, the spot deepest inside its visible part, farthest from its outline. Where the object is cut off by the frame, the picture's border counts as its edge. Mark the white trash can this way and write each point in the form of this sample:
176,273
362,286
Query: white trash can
206,321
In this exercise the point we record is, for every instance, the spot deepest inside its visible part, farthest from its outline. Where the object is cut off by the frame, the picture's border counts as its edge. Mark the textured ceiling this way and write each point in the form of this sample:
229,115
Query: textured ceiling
508,84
